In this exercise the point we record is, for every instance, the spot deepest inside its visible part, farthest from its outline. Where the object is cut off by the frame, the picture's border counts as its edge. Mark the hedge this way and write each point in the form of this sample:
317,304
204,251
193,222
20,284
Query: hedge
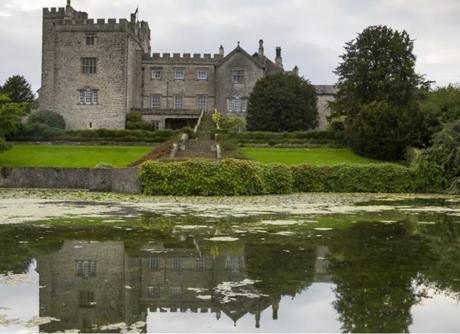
41,132
241,177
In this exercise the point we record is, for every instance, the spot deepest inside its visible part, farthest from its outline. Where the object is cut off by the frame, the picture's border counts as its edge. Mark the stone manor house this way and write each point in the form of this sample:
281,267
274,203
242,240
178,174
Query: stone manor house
94,72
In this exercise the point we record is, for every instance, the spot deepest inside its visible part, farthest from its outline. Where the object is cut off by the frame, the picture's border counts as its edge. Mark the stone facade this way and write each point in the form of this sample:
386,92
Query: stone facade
95,72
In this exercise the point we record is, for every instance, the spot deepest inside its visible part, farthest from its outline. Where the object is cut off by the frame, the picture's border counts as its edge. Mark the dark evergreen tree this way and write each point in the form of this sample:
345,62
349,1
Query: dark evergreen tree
282,102
18,89
378,94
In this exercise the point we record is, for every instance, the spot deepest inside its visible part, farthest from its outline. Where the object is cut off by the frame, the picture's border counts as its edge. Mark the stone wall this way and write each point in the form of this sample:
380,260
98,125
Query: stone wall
323,110
226,88
116,180
118,50
167,87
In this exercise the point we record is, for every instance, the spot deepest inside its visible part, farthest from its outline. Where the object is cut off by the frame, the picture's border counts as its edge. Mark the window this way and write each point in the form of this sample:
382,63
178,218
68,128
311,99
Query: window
178,102
238,76
156,102
85,268
88,96
87,299
202,75
237,105
90,39
201,102
153,291
88,65
175,292
156,73
179,74
176,264
153,263
199,263
234,263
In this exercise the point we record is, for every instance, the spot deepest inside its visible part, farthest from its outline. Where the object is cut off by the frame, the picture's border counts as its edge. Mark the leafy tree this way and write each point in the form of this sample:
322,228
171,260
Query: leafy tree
441,106
446,153
377,75
18,89
49,118
282,102
10,116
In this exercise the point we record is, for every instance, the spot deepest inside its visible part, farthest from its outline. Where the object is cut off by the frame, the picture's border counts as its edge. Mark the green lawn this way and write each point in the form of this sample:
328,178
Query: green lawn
313,156
70,155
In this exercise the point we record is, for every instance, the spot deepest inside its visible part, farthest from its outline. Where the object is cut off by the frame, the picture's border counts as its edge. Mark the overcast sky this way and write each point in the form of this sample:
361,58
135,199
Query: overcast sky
312,33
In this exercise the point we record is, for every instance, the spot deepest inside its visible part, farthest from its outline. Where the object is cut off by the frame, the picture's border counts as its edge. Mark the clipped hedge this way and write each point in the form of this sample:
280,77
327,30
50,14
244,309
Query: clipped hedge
41,132
241,177
375,178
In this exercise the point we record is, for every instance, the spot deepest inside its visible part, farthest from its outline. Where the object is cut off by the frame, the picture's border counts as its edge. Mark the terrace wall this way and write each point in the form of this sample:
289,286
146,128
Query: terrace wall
100,179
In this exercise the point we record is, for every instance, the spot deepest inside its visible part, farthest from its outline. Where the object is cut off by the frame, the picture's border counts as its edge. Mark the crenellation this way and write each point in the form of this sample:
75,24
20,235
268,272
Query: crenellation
186,55
207,56
112,21
197,55
176,55
100,21
90,21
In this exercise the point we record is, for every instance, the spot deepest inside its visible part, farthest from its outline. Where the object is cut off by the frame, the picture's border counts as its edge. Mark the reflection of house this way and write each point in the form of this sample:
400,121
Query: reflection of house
88,284
82,284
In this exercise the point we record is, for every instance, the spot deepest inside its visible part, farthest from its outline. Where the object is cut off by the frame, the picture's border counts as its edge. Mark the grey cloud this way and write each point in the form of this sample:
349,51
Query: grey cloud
311,32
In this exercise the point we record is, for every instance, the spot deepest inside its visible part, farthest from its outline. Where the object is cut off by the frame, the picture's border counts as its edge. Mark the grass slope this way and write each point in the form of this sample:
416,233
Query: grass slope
313,156
70,155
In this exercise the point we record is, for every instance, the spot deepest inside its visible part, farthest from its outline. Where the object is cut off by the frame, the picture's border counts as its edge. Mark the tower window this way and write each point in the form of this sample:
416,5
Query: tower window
90,39
88,65
88,96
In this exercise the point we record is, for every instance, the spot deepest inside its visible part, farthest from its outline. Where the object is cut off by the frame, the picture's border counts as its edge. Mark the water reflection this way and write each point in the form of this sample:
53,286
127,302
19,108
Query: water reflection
370,277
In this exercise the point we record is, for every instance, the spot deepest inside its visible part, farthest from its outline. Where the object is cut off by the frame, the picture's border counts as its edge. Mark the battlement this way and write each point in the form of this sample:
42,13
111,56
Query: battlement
53,12
184,58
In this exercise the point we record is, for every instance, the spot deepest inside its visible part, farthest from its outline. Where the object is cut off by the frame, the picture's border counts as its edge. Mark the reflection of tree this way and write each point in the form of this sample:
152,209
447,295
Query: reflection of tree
444,239
374,270
280,272
15,257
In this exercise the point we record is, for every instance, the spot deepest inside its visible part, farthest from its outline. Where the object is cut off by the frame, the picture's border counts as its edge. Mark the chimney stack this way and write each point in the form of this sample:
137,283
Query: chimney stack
221,50
279,59
261,48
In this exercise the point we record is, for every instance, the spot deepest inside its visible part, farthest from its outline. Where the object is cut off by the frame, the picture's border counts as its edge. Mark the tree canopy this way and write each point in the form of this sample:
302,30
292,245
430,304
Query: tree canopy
378,94
18,89
10,116
282,102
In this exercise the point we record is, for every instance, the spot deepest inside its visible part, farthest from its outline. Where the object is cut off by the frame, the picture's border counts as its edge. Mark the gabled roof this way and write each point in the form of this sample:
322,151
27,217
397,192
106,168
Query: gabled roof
239,49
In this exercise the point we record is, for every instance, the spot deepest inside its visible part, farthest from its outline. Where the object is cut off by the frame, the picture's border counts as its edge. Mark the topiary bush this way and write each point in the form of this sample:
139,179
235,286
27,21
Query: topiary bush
48,118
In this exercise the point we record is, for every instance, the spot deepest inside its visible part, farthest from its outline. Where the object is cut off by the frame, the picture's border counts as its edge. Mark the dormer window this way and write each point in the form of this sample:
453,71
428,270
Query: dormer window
237,76
90,39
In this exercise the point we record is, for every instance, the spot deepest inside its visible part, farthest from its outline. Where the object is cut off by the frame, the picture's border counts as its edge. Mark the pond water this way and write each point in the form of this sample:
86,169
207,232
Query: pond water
389,265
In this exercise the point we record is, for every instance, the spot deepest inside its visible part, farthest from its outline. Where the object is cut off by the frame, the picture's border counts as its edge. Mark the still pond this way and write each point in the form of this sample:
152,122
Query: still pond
388,265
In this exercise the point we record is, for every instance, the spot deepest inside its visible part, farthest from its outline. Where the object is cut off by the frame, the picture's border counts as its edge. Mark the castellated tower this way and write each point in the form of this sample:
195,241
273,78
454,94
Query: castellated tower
91,70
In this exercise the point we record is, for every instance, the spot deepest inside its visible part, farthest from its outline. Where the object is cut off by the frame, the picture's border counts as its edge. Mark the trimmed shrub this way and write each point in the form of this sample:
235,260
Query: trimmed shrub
241,177
203,178
381,178
41,132
49,118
